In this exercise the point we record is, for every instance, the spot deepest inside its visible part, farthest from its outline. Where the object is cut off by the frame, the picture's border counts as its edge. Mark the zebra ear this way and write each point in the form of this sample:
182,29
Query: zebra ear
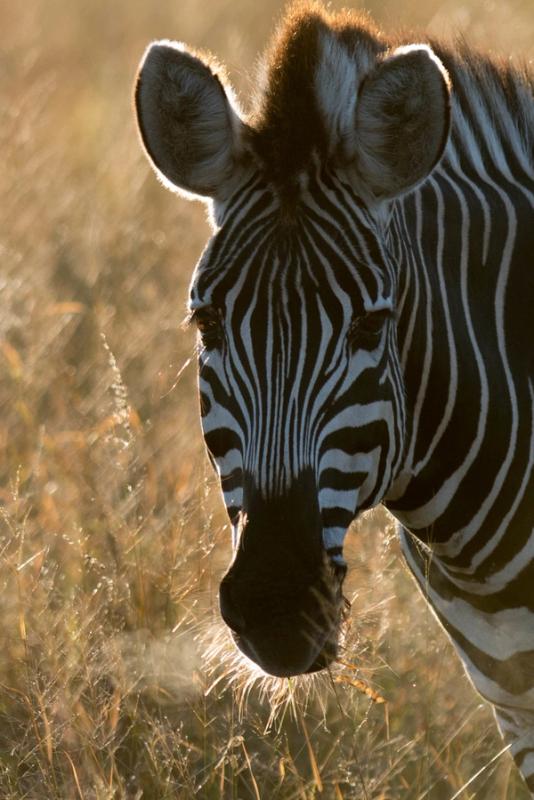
402,121
188,122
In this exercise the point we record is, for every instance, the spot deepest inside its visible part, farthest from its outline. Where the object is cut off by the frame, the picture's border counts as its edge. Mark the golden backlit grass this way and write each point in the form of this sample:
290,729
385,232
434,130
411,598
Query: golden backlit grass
117,678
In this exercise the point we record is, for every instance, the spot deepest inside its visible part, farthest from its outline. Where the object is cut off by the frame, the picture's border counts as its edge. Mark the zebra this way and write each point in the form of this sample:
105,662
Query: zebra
365,314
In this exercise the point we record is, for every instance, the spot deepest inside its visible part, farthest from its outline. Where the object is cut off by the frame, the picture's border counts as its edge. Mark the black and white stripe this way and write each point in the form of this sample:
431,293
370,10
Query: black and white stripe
285,380
466,489
367,332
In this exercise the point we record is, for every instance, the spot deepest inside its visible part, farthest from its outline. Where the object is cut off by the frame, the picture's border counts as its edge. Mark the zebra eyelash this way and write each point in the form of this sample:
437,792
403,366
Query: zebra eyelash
208,321
368,326
190,319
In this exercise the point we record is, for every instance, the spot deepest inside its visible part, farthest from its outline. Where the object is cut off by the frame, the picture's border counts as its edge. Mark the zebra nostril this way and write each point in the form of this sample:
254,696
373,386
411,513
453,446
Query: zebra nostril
229,612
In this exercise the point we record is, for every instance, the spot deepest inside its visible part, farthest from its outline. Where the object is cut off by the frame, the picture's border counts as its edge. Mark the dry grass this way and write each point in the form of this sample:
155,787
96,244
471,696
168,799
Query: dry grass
117,679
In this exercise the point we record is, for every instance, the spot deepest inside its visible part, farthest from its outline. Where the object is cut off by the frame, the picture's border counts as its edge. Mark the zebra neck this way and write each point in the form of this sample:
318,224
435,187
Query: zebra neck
465,299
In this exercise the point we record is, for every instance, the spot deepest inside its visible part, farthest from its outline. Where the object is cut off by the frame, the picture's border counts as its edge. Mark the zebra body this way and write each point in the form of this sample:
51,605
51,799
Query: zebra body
466,488
364,308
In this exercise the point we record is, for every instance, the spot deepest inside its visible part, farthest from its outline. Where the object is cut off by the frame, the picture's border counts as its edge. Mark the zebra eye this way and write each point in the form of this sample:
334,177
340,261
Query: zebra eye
208,320
366,329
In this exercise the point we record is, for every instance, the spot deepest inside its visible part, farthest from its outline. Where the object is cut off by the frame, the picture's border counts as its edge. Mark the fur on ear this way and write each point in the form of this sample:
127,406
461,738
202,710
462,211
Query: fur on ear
188,121
402,121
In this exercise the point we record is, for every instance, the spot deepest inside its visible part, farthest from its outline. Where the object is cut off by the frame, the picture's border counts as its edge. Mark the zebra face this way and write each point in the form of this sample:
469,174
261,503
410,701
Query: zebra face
299,397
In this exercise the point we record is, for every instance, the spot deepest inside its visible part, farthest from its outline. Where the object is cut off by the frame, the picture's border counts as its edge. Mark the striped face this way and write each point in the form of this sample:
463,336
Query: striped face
300,387
300,395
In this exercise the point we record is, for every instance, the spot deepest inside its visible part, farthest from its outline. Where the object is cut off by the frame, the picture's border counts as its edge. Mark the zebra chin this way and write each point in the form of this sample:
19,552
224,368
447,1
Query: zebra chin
282,596
298,640
287,655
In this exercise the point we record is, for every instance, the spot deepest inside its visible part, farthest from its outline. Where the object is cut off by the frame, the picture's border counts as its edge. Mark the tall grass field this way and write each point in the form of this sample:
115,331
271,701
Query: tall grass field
118,679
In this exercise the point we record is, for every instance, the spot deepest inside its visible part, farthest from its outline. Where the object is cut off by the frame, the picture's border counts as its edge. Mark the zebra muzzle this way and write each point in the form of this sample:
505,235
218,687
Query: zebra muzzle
285,632
282,596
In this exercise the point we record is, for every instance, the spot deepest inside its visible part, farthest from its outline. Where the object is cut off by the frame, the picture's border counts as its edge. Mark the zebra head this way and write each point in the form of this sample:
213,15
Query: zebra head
301,388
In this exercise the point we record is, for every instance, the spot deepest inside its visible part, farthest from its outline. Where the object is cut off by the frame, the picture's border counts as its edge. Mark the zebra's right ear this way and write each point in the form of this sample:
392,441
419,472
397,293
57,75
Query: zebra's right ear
188,121
402,121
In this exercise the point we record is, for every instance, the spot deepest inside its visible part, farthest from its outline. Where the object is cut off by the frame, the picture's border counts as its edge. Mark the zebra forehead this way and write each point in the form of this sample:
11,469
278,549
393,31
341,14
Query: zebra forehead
293,293
313,68
281,263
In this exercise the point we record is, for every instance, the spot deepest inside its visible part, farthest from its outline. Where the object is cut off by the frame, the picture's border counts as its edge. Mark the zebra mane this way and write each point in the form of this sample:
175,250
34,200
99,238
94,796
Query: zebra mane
316,65
292,108
492,102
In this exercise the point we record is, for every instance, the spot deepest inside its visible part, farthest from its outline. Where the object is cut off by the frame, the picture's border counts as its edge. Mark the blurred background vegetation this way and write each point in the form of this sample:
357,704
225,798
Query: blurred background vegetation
117,679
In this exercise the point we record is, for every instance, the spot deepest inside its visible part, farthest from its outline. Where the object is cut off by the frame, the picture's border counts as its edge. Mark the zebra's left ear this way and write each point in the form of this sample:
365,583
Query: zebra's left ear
402,121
